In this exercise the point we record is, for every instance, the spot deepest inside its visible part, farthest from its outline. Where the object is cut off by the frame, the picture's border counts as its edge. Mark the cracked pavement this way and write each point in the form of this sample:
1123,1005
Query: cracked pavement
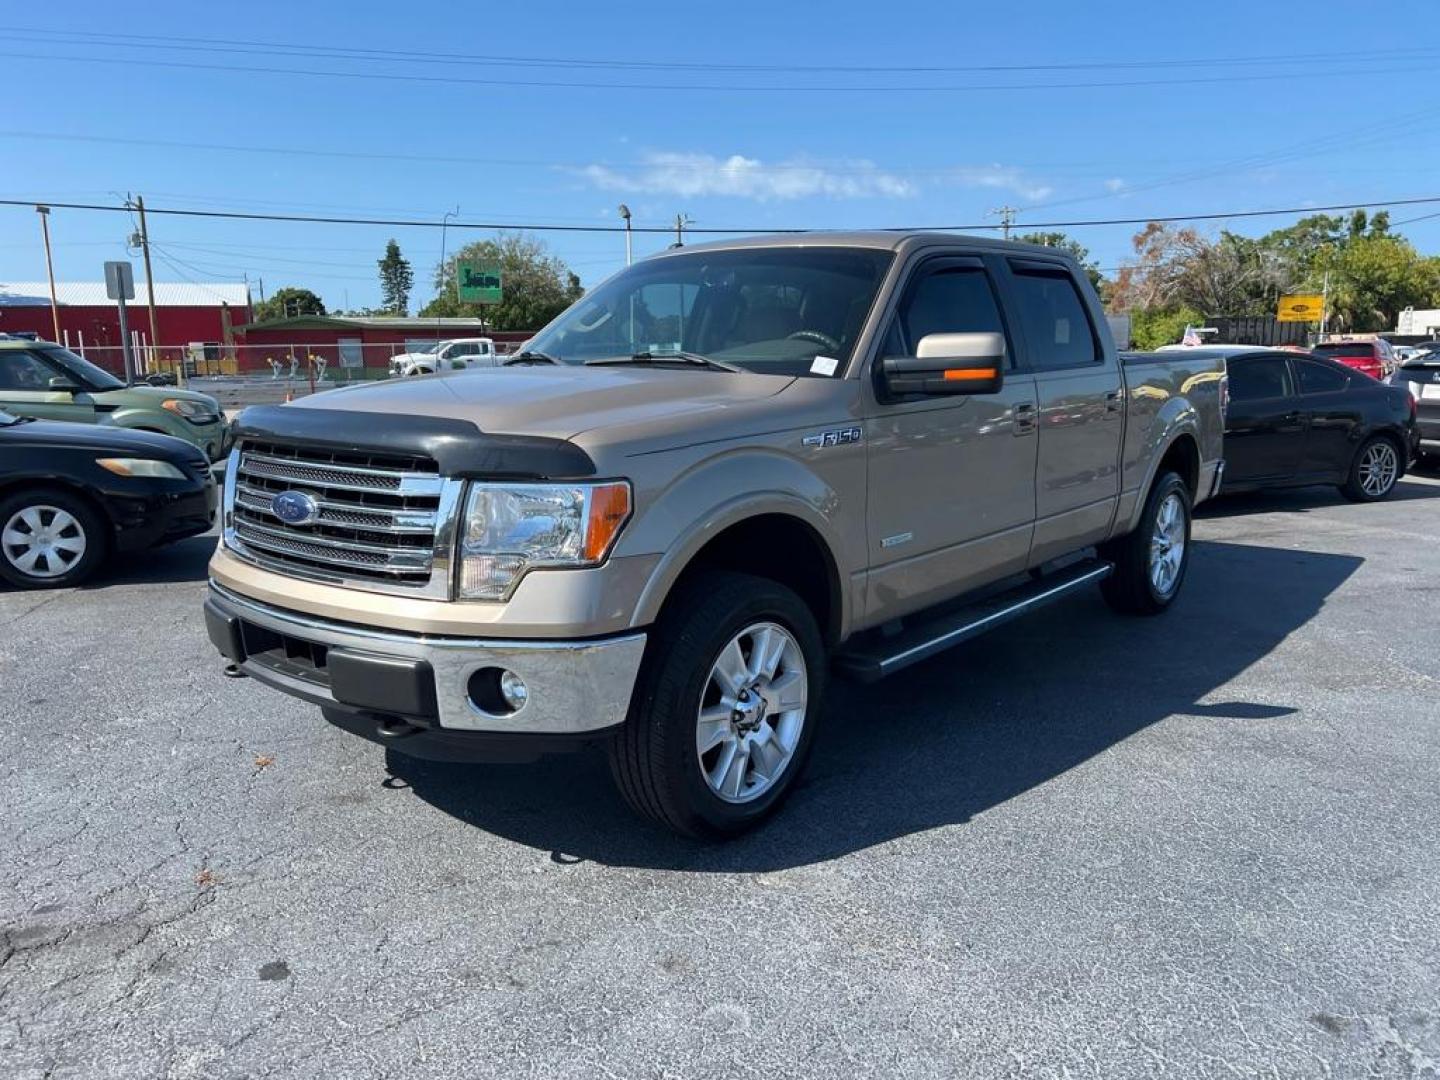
1084,846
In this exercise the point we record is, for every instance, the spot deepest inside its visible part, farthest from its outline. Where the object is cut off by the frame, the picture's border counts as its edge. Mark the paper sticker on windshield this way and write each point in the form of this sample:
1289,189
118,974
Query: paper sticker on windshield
824,365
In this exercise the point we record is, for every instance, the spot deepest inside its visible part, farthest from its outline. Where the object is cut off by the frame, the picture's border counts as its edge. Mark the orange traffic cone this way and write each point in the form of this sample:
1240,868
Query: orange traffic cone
289,397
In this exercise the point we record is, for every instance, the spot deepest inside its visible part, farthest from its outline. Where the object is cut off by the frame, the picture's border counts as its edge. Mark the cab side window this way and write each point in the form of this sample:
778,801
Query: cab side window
24,371
947,300
1259,377
1058,333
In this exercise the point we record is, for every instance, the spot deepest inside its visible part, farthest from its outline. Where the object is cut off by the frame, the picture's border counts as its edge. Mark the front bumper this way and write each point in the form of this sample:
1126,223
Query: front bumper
162,512
427,681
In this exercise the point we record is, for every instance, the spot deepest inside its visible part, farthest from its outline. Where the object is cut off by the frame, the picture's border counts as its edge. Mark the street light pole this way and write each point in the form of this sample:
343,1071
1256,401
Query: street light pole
44,212
625,213
444,223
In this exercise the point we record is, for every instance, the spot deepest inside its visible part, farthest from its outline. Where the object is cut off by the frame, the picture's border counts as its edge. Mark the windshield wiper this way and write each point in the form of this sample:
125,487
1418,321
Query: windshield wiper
530,356
678,356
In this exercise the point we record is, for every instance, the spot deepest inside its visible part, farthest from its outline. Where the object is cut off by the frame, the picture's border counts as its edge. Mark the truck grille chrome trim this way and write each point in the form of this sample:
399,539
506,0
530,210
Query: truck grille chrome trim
380,522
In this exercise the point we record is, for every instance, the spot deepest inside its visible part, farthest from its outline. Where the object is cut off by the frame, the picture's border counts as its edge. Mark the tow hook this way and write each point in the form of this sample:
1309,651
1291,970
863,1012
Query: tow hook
390,727
232,671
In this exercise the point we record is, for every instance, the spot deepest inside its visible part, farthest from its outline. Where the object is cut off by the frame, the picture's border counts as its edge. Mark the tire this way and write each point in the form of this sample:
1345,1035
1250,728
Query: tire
76,538
1377,468
1135,587
656,757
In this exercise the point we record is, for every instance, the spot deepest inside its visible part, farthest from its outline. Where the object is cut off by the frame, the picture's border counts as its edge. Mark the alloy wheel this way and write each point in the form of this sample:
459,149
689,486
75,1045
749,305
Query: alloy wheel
1379,468
752,712
1167,545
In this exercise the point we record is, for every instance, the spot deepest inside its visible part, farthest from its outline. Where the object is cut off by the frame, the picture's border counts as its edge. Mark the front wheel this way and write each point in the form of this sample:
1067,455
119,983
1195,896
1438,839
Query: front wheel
726,707
1374,472
1150,563
49,539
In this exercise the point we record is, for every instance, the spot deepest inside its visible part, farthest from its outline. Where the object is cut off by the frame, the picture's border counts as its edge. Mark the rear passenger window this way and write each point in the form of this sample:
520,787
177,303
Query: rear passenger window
1259,377
946,301
1320,378
1058,333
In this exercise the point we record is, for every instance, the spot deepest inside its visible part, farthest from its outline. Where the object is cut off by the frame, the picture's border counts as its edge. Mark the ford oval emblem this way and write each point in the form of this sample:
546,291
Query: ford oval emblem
295,507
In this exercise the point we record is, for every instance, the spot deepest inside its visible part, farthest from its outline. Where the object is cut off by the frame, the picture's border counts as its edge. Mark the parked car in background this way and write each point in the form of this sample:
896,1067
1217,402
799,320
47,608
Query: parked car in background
1296,420
1420,377
70,494
1375,358
449,355
43,380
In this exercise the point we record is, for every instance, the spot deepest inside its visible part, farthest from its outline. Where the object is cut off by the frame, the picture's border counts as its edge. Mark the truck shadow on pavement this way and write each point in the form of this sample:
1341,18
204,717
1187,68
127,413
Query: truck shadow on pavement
948,739
1303,500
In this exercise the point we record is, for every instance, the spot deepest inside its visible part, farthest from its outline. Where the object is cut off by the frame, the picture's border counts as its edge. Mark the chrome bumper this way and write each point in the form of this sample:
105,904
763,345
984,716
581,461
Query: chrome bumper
575,687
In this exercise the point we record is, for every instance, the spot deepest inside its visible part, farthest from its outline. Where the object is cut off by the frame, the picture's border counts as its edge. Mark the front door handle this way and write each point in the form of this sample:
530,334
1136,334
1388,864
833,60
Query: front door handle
1112,401
1024,419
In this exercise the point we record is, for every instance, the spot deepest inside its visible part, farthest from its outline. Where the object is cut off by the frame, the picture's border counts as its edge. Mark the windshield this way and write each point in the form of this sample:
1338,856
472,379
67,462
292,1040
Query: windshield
1345,348
778,311
83,370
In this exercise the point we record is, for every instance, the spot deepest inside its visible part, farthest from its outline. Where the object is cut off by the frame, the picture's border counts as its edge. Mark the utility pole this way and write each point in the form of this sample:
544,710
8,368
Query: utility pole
1007,218
150,290
44,212
625,213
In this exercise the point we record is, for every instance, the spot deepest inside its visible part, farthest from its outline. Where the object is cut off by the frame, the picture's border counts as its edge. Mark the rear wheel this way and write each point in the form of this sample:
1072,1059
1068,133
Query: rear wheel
1374,472
1150,563
726,706
49,538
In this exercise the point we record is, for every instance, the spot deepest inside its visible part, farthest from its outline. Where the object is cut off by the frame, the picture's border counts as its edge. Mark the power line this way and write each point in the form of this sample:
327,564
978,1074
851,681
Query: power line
235,215
192,44
710,88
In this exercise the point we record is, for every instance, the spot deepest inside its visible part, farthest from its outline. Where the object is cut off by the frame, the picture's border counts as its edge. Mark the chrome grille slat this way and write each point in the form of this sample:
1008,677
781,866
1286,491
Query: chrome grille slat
379,519
384,521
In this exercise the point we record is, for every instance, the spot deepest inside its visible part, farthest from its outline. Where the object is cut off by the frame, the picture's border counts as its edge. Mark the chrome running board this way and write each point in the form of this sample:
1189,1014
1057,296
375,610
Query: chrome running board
877,657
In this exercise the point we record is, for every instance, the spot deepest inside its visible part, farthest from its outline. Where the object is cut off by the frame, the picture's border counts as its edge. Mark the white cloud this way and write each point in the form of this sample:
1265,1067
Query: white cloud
1115,184
1000,177
737,176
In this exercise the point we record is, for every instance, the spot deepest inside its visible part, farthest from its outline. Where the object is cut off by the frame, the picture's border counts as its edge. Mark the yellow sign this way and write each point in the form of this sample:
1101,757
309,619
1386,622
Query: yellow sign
1301,309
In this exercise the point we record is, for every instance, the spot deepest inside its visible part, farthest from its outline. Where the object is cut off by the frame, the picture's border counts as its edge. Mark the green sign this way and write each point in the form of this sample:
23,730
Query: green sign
478,283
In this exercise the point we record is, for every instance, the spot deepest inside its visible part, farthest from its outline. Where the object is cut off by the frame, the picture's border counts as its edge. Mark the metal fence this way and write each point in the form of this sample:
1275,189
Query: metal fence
294,362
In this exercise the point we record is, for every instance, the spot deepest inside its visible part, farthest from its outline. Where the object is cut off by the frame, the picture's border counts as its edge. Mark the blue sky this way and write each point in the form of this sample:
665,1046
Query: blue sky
759,115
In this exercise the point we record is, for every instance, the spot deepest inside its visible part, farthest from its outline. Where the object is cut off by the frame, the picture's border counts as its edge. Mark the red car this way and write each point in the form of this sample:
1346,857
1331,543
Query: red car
1374,358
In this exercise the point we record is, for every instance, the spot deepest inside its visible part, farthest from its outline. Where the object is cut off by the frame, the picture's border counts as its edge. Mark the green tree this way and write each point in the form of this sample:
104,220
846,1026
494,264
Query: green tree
537,285
396,279
1073,247
287,303
1371,278
1152,327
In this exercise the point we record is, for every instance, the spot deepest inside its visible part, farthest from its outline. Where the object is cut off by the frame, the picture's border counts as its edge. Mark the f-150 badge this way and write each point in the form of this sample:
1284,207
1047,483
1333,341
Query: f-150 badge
836,437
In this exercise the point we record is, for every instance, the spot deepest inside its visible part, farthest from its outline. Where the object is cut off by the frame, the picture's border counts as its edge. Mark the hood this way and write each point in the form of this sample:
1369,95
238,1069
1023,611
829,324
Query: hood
559,402
101,438
153,396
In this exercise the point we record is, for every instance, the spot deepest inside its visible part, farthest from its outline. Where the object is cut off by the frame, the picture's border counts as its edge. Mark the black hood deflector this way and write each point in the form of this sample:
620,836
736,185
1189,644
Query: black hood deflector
459,447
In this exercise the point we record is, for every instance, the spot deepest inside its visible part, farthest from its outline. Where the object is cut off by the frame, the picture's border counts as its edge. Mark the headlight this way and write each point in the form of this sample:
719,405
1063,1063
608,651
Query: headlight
195,411
136,466
512,528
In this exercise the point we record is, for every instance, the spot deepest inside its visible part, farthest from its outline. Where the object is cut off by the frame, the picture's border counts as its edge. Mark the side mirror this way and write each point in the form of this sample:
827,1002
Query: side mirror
948,364
63,385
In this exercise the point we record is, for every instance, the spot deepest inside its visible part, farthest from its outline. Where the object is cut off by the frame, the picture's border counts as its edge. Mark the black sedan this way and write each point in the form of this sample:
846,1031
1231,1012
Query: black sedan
1296,419
72,493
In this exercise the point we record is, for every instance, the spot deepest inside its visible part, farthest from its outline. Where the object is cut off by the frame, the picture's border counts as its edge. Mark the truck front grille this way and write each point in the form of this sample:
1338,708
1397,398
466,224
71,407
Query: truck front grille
384,522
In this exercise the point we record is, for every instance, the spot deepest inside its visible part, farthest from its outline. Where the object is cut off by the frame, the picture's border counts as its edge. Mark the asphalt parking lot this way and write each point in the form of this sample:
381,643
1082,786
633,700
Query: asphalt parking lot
1202,845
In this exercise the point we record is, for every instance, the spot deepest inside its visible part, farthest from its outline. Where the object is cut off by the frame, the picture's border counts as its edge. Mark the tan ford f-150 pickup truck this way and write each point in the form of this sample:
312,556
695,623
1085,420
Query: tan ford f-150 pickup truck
724,472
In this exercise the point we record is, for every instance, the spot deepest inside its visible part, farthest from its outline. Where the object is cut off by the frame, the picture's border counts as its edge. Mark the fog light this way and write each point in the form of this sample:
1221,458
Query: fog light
513,690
